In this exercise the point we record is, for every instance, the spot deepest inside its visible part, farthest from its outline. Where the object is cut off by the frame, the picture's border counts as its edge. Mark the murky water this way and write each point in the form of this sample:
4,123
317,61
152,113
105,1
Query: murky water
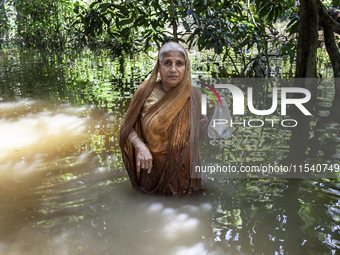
63,188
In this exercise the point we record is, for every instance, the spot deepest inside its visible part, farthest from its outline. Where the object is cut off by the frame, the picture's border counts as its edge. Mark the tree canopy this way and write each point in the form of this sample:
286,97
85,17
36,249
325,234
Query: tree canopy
228,28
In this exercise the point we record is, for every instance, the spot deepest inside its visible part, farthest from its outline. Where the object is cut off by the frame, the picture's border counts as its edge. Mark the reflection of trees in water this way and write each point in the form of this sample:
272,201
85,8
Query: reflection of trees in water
298,216
264,216
79,80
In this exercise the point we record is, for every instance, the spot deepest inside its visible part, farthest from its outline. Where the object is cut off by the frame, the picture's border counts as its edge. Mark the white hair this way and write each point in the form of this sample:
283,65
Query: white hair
171,46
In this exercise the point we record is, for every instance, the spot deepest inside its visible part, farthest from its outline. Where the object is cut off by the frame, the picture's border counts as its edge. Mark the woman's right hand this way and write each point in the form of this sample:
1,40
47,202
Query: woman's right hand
144,156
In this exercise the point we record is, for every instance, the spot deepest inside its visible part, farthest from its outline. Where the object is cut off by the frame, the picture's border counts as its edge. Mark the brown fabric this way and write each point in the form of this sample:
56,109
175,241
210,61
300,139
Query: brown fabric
165,129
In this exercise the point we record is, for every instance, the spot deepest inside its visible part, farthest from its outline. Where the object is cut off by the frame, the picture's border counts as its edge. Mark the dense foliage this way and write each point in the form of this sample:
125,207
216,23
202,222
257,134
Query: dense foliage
230,28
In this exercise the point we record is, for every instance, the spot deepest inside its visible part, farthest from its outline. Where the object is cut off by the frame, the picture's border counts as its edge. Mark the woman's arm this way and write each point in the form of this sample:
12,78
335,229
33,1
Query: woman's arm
144,156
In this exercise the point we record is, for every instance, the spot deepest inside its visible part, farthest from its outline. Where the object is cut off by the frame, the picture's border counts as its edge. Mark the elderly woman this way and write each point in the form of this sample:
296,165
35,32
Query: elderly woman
156,140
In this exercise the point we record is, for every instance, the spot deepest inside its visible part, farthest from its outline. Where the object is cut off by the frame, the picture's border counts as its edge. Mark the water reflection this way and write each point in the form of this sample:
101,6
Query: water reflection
64,190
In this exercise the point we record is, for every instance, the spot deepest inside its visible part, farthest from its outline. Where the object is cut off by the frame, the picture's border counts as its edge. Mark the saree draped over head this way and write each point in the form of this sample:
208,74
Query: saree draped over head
165,128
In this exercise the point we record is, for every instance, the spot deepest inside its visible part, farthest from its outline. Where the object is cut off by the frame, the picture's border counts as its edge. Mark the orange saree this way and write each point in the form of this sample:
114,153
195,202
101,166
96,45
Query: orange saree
165,128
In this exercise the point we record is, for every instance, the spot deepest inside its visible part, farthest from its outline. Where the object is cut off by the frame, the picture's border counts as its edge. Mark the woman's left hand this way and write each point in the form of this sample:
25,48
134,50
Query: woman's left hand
144,156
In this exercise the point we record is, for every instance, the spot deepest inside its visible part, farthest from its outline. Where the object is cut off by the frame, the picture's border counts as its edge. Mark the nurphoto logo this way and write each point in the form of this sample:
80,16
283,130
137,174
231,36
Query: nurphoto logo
239,105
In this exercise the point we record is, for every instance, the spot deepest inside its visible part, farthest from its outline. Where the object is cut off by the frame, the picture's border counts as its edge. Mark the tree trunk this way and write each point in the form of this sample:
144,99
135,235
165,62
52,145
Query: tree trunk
330,18
332,48
121,65
307,40
173,21
332,51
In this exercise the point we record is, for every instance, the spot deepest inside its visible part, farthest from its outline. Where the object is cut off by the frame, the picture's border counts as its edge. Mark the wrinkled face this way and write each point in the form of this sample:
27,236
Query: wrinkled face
171,69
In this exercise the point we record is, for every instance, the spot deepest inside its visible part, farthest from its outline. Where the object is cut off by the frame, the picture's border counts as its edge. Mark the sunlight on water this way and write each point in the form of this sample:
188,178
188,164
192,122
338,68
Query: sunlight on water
27,138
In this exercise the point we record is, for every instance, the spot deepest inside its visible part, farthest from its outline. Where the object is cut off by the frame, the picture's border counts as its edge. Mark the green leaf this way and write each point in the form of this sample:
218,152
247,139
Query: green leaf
209,45
158,7
271,15
218,47
192,37
125,22
76,9
140,21
93,4
107,22
154,24
264,11
104,7
208,11
147,43
294,28
186,26
336,3
290,52
122,8
232,14
293,20
276,15
228,39
189,12
125,31
197,19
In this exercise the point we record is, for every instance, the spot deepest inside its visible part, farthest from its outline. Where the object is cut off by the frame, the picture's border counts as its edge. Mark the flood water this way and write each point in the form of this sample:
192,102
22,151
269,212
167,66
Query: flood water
64,190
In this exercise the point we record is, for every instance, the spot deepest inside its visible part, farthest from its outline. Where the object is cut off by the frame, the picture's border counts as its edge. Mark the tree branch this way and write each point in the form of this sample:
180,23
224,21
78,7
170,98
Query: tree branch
328,20
251,13
232,61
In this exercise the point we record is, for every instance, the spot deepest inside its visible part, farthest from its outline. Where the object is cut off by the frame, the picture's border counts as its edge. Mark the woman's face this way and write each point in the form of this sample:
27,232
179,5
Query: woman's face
171,69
